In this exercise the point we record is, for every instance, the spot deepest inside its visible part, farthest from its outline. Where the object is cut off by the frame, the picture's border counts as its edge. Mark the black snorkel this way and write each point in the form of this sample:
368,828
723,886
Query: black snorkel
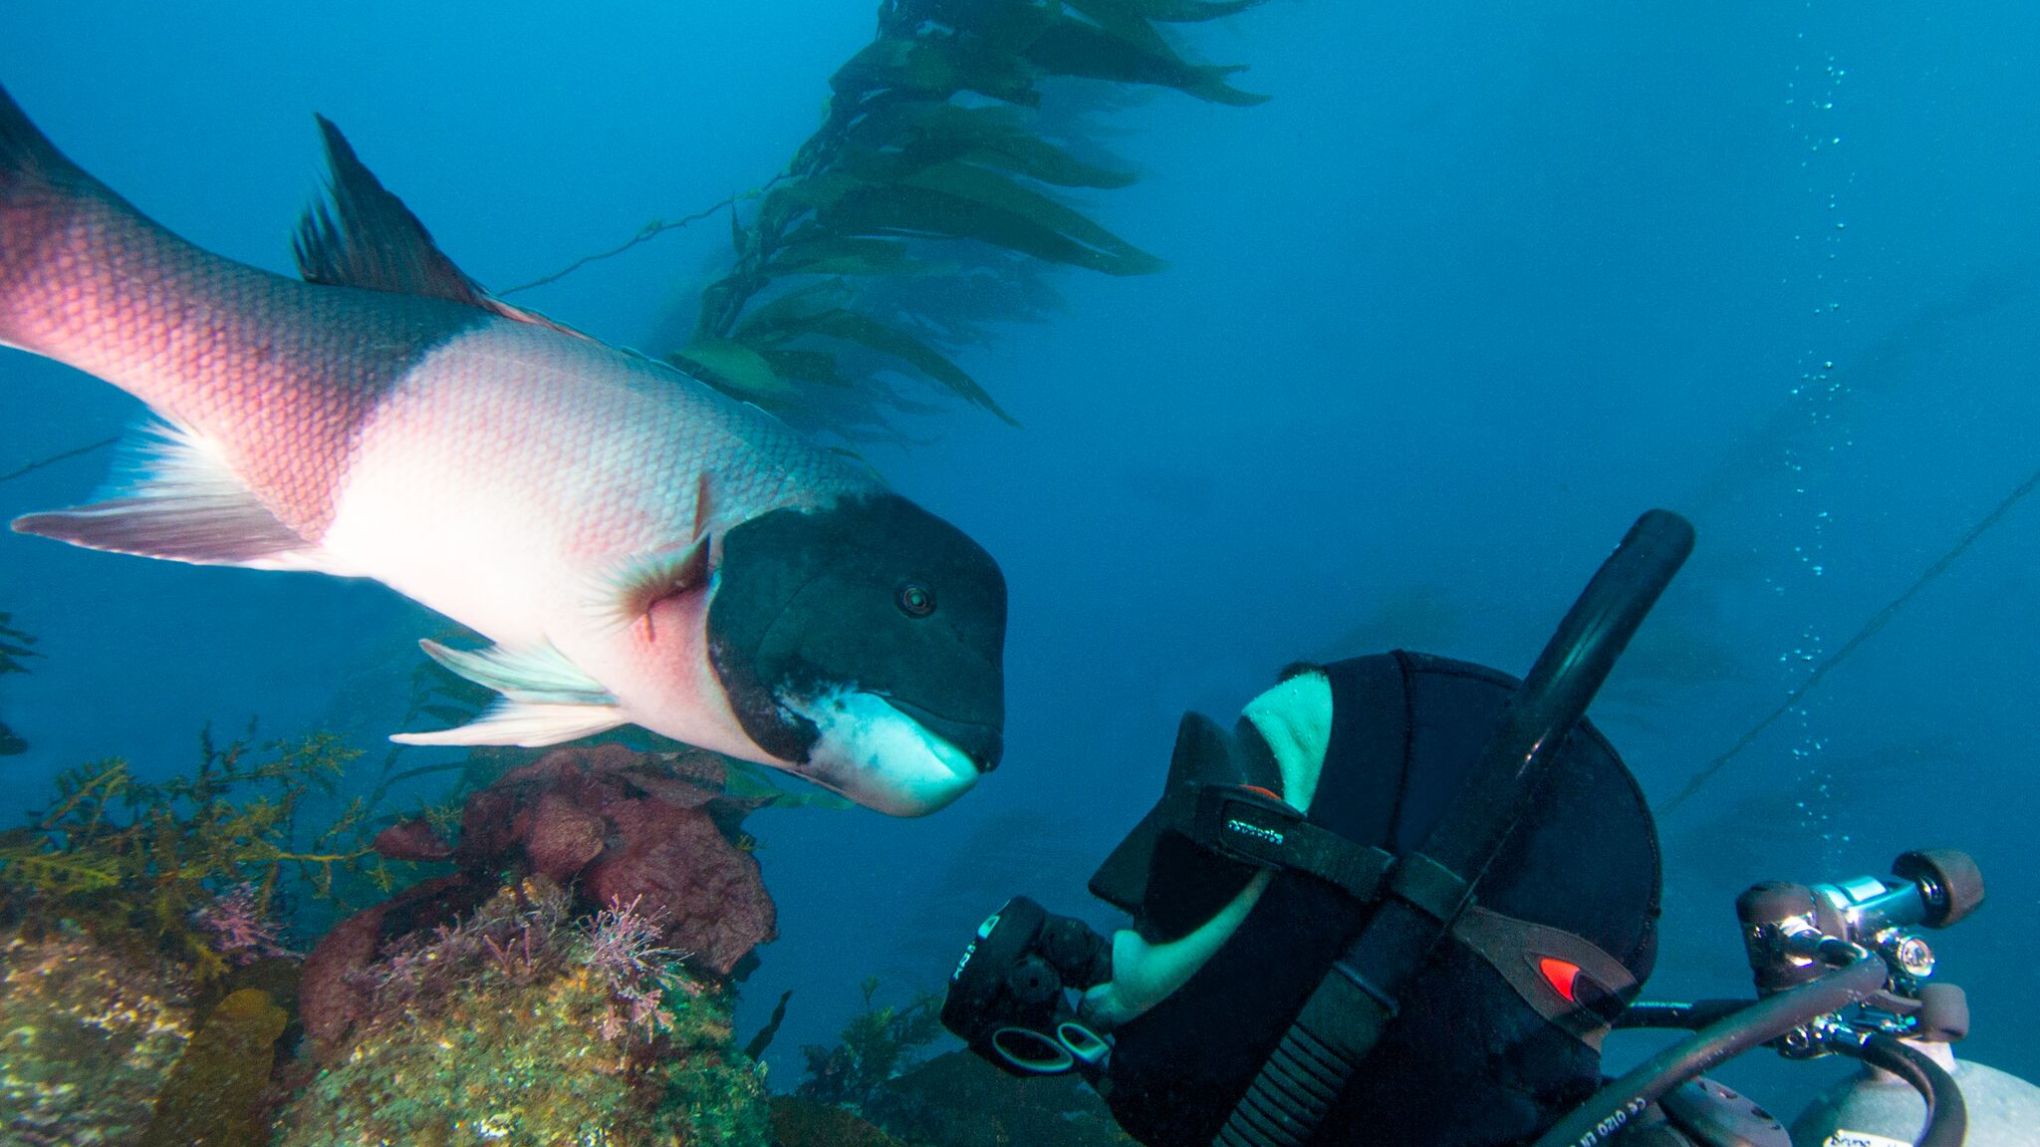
1428,890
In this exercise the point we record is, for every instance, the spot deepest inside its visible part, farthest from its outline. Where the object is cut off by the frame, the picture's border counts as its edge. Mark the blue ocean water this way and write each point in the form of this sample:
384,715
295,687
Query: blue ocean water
1477,286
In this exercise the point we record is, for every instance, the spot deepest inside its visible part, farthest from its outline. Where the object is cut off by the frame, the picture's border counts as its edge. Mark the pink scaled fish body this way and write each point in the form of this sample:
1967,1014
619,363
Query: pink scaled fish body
571,502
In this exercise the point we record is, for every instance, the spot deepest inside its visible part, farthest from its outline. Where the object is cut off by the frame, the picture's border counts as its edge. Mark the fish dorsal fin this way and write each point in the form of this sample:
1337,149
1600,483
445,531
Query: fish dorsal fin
362,235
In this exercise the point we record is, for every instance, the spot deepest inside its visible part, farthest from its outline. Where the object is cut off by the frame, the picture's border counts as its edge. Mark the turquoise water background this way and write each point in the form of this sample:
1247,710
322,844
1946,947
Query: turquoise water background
1477,286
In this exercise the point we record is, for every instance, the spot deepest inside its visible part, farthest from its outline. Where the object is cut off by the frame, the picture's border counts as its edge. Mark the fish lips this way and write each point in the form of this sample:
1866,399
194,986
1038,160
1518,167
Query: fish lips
984,743
880,757
872,597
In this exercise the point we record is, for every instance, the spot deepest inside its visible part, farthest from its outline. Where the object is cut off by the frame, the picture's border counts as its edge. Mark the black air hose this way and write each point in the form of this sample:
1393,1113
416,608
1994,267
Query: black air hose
1612,1108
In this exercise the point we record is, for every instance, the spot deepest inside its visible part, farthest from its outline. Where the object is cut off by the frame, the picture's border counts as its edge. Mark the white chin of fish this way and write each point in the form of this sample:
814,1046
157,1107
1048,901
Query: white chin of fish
880,757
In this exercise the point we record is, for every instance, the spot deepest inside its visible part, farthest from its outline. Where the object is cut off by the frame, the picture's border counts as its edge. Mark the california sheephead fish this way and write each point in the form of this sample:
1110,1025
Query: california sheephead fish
641,548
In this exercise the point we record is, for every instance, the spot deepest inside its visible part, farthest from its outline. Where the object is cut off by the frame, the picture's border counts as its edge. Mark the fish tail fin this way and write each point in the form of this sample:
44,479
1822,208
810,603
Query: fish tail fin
56,219
40,191
28,159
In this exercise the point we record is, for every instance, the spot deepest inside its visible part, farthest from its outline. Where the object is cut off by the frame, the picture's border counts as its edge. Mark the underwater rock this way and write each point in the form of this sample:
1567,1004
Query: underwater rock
563,838
518,1024
413,840
677,860
959,1100
215,1092
798,1122
88,1036
331,998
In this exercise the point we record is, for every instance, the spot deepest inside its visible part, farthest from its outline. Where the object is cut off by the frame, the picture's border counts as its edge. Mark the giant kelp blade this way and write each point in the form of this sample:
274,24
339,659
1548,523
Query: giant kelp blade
1175,11
736,370
936,69
1073,48
923,213
1041,160
895,140
825,255
1123,21
976,185
997,137
807,313
852,327
788,315
800,365
961,201
14,645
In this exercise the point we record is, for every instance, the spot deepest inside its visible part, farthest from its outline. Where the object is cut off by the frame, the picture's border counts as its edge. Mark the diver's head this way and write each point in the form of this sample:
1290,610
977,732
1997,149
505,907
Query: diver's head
1502,1025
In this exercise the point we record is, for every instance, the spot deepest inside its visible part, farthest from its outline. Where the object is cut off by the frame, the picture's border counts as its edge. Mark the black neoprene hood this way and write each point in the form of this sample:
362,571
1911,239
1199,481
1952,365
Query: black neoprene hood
1469,1063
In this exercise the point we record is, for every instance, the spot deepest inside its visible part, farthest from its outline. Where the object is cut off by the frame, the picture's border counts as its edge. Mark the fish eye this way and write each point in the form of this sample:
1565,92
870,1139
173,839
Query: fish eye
914,599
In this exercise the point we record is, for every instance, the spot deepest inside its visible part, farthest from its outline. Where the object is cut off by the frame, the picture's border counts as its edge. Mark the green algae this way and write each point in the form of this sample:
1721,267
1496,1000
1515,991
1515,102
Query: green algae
132,862
214,1094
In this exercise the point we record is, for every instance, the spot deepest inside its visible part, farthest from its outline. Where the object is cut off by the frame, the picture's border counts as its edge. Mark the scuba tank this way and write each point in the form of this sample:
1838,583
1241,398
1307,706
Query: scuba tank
1878,1109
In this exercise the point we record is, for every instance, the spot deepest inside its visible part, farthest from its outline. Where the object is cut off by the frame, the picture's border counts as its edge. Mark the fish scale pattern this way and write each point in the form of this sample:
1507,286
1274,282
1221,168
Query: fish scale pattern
589,453
275,373
282,377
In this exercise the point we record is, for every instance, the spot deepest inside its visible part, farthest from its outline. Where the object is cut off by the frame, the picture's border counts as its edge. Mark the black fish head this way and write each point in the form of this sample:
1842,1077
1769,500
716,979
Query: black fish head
863,645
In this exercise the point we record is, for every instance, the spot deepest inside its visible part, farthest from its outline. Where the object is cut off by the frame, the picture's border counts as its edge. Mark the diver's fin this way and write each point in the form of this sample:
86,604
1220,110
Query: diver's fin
364,236
529,724
628,592
540,675
187,506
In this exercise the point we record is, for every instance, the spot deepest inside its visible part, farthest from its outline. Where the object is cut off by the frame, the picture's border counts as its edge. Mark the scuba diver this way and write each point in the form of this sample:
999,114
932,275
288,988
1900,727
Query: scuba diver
1404,900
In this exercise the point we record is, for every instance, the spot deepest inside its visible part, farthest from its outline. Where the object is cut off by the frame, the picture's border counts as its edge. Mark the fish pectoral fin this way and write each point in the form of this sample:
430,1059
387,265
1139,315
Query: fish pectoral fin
525,723
629,592
538,675
187,506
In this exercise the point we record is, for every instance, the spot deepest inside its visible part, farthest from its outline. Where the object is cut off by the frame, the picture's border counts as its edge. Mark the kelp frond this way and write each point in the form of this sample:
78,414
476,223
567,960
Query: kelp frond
855,261
14,645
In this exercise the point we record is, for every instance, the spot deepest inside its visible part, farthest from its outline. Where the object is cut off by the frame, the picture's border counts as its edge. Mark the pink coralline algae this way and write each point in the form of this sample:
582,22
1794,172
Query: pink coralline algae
411,840
237,927
333,994
644,844
624,947
650,830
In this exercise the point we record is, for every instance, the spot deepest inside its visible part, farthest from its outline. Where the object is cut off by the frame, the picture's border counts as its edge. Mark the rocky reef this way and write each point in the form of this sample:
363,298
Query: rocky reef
562,977
520,1023
88,1035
